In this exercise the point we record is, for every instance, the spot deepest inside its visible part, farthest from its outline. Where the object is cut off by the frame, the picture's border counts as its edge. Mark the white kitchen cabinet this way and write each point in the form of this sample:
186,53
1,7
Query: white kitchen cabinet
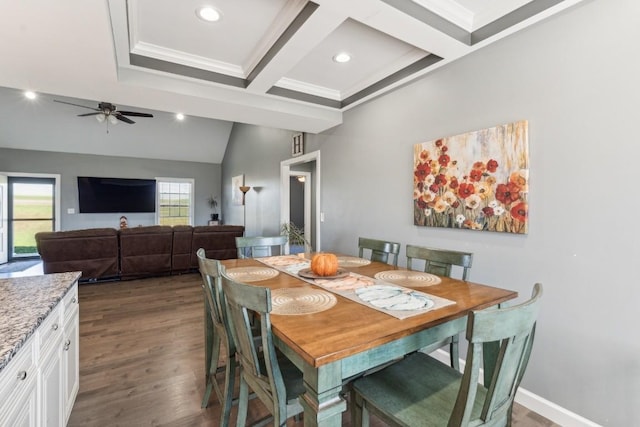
39,385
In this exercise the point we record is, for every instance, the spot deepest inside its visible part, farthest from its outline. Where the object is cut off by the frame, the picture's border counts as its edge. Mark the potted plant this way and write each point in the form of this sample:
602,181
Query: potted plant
296,236
213,204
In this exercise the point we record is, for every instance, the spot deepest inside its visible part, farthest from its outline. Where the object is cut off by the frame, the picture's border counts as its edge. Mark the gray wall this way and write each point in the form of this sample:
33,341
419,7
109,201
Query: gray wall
255,152
575,78
207,181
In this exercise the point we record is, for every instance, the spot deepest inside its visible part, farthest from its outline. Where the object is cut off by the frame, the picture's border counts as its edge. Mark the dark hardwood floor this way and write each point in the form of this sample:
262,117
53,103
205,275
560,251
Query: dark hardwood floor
142,358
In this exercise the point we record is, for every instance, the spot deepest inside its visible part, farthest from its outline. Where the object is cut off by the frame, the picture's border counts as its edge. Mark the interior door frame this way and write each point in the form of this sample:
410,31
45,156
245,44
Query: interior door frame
285,191
307,200
4,222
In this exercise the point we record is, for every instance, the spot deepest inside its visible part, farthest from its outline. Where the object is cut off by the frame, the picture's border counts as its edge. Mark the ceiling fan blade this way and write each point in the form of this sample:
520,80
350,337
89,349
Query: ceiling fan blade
89,114
122,118
76,105
135,114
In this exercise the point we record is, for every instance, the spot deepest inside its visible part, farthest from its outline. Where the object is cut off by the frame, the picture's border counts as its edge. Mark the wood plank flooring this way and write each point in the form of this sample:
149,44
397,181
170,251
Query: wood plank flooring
142,358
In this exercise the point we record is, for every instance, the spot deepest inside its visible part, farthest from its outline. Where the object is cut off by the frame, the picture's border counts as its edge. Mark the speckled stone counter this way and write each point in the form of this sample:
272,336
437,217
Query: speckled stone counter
24,303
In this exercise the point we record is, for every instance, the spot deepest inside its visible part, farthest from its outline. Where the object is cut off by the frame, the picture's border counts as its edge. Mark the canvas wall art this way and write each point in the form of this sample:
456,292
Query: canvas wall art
236,194
476,181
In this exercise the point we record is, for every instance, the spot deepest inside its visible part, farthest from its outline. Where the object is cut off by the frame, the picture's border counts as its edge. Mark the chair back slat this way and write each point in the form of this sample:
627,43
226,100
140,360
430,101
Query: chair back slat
210,270
253,247
380,250
439,261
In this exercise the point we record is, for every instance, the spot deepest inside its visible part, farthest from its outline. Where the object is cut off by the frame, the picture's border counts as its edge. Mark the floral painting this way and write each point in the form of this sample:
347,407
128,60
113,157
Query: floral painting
477,181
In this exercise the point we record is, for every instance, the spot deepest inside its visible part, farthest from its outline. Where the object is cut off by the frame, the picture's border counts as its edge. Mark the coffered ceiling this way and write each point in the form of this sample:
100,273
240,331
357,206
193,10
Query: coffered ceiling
265,62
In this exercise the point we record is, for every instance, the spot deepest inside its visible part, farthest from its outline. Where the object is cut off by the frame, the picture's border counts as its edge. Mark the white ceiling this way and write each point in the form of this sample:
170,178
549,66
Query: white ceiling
266,62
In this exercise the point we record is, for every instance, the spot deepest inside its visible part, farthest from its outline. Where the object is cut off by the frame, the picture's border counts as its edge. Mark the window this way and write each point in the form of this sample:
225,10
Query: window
175,201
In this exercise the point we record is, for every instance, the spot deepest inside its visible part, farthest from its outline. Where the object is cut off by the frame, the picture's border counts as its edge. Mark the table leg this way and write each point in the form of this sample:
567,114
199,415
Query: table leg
323,406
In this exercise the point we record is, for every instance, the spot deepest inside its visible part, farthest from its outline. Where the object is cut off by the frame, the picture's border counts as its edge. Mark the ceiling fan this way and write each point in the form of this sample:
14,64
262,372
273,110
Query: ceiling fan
108,111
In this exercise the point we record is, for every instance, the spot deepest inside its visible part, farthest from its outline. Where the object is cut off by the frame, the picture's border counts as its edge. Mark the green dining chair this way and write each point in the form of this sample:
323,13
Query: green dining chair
274,379
439,262
253,247
419,390
219,337
380,250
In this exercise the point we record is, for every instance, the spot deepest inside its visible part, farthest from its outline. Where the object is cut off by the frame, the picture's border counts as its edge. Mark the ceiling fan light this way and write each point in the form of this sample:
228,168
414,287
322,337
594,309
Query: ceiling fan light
208,14
100,117
112,119
30,94
180,116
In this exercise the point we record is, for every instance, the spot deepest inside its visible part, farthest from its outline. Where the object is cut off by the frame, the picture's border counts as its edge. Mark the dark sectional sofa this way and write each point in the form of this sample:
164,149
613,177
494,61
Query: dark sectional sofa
110,254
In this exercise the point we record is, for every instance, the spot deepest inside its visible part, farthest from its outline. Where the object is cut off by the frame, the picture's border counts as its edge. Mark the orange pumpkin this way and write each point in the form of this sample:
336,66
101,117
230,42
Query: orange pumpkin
324,264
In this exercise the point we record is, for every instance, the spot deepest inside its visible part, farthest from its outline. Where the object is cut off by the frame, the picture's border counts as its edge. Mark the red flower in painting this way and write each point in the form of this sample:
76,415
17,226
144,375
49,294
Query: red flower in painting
455,204
434,188
453,183
507,193
439,143
465,190
520,212
444,149
487,211
475,175
444,160
492,166
441,179
422,170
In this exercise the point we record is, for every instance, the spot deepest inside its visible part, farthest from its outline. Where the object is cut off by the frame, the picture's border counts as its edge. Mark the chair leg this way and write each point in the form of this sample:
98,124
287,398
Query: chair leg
213,368
243,404
359,412
227,401
454,353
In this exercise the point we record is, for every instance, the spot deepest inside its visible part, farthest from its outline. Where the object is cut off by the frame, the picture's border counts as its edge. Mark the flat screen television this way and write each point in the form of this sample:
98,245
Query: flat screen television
116,195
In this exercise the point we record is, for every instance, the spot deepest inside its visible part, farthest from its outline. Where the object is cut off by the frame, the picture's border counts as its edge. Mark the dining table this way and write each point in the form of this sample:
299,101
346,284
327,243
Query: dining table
349,338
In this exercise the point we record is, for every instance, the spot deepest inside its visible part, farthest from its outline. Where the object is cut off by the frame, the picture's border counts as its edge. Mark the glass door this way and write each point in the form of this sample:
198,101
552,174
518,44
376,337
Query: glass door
31,210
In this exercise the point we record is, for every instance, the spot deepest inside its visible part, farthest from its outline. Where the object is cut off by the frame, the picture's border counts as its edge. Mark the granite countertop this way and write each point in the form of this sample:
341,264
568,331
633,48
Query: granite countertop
25,302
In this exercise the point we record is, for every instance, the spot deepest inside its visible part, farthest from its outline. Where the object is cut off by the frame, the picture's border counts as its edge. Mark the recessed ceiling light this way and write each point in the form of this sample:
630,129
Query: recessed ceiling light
180,116
207,13
342,57
30,95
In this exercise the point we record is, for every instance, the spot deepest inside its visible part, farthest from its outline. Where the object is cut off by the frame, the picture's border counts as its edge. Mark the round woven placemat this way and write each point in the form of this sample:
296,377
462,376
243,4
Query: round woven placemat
292,301
251,274
352,261
408,278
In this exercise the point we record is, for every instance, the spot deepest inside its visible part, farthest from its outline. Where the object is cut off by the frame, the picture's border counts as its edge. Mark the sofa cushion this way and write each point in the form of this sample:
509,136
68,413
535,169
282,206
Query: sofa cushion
181,252
218,241
92,251
145,251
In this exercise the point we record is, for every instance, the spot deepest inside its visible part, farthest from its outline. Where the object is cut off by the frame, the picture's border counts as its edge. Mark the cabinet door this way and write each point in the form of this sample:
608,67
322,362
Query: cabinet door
70,359
51,398
24,413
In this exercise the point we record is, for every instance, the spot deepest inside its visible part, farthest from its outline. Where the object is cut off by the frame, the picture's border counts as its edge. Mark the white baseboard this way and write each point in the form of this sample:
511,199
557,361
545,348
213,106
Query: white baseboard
535,403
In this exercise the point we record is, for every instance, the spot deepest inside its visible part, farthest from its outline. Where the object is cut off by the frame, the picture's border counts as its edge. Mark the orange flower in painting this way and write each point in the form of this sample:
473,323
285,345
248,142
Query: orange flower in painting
465,190
479,165
519,178
520,212
492,165
425,155
453,183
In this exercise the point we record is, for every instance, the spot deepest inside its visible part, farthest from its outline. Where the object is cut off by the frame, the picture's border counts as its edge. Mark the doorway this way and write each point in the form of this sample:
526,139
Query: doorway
30,209
302,165
300,207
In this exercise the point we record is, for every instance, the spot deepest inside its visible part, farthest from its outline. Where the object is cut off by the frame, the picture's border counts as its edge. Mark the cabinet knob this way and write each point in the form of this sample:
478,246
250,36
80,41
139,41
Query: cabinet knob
22,375
67,344
54,326
73,300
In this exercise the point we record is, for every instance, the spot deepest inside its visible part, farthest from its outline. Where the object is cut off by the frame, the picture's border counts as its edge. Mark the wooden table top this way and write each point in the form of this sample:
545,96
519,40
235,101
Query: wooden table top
349,327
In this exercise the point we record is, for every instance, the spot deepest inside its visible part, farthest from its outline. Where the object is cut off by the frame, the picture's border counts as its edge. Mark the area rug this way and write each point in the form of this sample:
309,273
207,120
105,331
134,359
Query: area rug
16,266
